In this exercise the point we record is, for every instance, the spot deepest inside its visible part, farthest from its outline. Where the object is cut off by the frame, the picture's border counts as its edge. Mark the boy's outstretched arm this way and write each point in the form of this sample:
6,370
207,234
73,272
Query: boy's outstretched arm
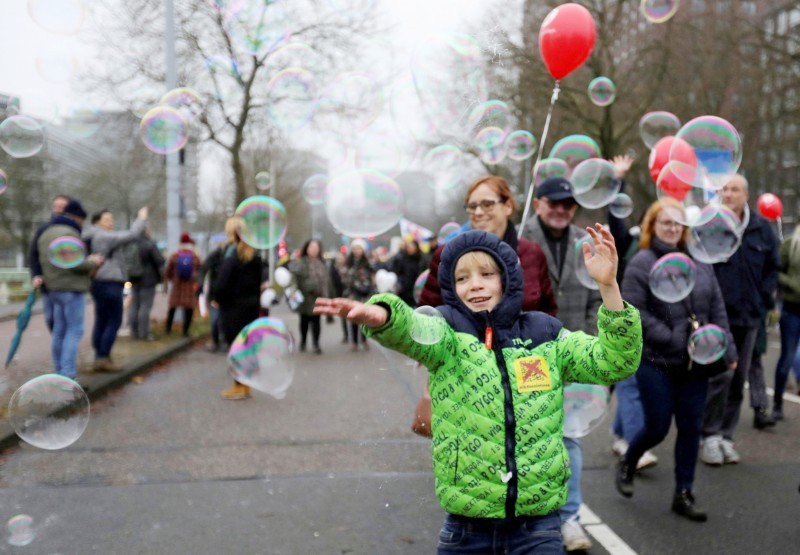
602,266
370,315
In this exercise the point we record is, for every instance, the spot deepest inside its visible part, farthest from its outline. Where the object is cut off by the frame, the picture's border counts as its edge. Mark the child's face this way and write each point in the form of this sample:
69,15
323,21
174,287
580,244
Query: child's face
478,281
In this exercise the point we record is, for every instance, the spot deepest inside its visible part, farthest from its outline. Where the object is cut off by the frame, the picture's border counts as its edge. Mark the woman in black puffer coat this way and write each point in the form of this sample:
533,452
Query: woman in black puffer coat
667,383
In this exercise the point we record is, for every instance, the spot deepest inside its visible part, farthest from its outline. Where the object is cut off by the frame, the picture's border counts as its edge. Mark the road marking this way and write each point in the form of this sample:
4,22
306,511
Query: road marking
604,535
791,397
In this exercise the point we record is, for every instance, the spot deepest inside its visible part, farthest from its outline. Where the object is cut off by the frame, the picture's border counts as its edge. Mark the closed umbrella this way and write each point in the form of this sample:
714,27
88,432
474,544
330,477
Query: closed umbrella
22,322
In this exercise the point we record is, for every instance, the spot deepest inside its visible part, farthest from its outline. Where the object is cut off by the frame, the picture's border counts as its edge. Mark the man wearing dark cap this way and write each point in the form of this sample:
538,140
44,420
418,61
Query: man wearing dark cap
67,288
552,228
109,282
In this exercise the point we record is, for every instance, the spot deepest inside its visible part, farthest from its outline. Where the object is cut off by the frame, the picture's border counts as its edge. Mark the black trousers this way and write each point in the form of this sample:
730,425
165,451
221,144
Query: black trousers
312,320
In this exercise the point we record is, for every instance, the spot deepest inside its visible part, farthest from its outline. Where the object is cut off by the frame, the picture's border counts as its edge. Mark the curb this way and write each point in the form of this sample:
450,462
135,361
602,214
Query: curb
100,384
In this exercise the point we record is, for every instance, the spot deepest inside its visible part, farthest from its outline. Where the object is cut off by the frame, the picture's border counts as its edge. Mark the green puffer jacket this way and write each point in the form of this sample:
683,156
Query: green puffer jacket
498,413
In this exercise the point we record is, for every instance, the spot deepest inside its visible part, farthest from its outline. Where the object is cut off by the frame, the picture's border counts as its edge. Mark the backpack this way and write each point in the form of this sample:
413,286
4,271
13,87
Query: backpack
184,266
133,261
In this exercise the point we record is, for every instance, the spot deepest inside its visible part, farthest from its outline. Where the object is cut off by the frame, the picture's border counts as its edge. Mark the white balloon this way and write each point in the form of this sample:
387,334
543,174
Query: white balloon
267,297
283,277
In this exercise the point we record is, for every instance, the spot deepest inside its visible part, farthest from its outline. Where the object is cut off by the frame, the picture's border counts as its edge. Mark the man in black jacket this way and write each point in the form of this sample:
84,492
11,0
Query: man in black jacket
748,281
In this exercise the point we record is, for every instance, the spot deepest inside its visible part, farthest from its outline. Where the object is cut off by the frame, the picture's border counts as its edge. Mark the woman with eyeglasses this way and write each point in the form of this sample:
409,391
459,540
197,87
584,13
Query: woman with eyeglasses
489,204
669,384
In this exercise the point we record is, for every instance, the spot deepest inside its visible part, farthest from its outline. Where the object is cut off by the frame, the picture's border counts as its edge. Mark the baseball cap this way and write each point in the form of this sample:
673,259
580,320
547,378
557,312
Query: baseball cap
555,188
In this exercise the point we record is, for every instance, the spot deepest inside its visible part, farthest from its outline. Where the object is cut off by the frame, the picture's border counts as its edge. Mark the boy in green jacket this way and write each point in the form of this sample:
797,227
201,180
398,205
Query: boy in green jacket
496,381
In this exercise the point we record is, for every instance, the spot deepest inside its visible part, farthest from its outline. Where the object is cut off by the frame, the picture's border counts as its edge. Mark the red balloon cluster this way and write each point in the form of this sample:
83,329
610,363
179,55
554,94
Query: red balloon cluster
770,206
566,39
672,163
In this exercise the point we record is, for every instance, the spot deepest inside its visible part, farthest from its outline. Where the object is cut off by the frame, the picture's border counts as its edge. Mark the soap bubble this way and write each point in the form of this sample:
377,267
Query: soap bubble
580,264
654,126
258,28
707,344
350,102
659,11
291,98
164,130
419,284
492,113
363,202
585,405
445,166
263,180
595,183
314,189
521,145
264,221
550,167
428,326
602,91
50,411
446,230
621,206
260,357
717,238
672,277
718,148
3,182
574,149
20,530
685,202
66,252
186,101
490,142
21,136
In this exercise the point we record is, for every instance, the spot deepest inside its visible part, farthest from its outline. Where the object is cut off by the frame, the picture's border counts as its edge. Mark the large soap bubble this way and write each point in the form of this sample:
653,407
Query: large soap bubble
20,530
164,130
490,143
550,167
621,206
654,126
66,252
50,411
21,136
672,277
492,113
707,344
574,149
718,148
717,238
595,183
260,358
264,221
585,405
363,202
428,326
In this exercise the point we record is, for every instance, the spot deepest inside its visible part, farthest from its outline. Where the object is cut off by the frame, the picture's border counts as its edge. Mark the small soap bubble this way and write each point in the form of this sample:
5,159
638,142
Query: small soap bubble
164,130
490,142
259,357
621,206
585,405
66,252
263,180
450,228
427,325
521,145
419,284
20,530
49,412
314,189
574,149
21,136
654,126
672,277
602,91
264,221
707,344
659,11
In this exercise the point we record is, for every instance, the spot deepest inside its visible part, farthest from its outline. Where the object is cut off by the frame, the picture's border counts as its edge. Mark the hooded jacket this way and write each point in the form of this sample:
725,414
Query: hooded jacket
62,279
498,414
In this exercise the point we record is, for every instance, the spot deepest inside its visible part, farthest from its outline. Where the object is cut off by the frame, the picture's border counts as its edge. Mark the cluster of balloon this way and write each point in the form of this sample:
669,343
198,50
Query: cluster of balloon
669,156
566,40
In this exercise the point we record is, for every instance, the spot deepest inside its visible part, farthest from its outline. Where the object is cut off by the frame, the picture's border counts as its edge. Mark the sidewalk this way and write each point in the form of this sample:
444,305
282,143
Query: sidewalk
33,355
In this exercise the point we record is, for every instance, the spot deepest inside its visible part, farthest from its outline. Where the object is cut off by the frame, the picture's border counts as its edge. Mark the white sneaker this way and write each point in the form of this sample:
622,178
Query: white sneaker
647,460
729,454
574,538
620,446
711,451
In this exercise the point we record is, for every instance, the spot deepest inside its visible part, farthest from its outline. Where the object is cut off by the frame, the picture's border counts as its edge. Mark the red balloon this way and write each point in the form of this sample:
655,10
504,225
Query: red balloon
770,206
671,149
566,39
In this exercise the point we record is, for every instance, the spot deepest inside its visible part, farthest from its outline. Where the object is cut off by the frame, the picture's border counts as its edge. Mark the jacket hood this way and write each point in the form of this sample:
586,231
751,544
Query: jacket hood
59,219
510,305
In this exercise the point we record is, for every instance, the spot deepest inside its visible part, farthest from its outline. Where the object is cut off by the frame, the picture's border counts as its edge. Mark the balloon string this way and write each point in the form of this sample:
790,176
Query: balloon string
531,185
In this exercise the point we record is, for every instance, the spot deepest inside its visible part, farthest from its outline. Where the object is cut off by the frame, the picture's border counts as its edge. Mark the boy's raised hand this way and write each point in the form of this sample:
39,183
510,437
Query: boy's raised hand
602,266
370,315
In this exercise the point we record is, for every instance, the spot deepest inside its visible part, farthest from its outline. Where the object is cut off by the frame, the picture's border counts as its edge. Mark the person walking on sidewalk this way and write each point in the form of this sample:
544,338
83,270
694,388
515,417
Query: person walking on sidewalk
313,280
359,285
789,282
209,270
37,277
182,269
67,288
143,285
109,281
750,280
238,290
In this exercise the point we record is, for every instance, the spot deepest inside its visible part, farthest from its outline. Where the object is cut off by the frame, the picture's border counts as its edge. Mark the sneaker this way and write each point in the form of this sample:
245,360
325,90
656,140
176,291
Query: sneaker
575,539
620,446
683,504
623,478
711,451
647,460
762,419
317,351
729,454
236,392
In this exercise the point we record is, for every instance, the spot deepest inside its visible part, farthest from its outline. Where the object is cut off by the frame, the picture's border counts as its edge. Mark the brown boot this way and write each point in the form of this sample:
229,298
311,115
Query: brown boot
236,392
105,365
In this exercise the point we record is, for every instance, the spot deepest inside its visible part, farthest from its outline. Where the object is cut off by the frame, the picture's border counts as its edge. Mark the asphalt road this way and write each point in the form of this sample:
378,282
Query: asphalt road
167,466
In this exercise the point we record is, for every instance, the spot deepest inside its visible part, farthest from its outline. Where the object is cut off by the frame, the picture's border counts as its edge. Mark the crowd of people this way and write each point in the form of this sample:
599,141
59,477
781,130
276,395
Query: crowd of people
482,278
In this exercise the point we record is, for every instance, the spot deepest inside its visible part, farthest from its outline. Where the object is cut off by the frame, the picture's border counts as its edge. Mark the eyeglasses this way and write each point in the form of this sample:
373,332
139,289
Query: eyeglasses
486,205
669,225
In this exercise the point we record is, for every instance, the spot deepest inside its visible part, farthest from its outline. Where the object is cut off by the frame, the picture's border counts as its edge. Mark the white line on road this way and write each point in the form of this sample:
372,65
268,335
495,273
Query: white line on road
604,535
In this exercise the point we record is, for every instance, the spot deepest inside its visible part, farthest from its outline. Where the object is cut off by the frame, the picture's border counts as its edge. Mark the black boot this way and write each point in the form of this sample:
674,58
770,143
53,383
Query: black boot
762,419
624,477
777,411
683,504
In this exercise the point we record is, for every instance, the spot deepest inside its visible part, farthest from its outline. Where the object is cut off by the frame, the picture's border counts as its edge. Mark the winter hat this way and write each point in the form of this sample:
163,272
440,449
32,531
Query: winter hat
186,238
74,208
358,243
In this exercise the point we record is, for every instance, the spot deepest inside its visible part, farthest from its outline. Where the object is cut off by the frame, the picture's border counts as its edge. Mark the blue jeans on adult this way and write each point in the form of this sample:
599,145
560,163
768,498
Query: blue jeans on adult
107,297
214,313
663,395
68,308
790,337
629,418
536,534
574,499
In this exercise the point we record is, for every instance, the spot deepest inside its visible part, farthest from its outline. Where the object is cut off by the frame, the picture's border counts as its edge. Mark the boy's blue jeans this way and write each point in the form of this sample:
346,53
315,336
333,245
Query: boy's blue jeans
462,535
574,498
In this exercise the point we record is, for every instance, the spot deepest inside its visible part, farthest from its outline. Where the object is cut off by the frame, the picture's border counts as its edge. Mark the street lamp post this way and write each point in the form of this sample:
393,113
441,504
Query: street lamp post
173,165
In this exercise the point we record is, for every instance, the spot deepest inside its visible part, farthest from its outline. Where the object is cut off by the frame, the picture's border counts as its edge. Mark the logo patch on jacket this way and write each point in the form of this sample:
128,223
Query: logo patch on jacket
532,374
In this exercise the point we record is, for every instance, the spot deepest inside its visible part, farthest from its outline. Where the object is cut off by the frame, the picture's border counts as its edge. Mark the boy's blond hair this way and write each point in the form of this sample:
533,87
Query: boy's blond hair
478,259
